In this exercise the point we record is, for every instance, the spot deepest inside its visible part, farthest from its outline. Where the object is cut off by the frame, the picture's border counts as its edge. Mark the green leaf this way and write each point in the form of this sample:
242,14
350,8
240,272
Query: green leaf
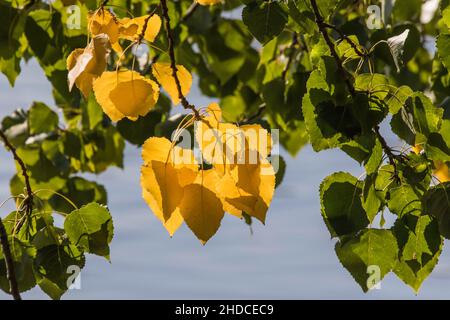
375,159
90,228
370,201
404,200
341,204
443,49
372,247
22,254
265,20
322,117
136,132
417,120
420,246
396,46
436,203
279,175
42,119
52,264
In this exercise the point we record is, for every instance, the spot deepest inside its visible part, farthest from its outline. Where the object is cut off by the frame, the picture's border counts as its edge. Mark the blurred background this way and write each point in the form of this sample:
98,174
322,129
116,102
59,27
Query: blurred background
292,257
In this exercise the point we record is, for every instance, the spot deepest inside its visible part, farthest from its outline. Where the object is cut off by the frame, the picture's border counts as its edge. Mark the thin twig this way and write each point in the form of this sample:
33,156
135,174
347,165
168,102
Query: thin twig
323,30
173,63
343,36
10,271
144,27
387,150
190,11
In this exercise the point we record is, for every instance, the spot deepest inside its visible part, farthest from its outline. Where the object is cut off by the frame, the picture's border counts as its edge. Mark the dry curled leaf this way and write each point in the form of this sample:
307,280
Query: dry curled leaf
87,64
125,94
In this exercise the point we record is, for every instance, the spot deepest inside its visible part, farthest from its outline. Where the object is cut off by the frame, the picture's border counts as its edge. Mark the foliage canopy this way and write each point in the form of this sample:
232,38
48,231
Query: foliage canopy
314,69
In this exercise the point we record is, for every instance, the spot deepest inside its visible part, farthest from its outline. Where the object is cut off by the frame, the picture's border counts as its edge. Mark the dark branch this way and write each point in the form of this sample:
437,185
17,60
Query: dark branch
29,191
173,63
343,36
323,30
10,271
387,150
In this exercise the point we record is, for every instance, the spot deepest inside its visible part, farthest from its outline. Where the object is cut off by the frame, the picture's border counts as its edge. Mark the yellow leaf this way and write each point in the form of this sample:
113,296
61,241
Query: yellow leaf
228,144
131,29
165,174
248,187
441,172
164,74
125,94
201,208
173,223
417,149
85,65
238,154
103,21
208,2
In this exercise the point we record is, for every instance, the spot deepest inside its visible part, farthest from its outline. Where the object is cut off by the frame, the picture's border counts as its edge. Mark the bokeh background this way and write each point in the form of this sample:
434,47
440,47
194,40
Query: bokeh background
292,257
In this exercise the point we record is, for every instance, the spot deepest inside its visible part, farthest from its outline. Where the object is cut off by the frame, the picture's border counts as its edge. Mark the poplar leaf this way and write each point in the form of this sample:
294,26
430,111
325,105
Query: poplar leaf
208,2
125,94
201,208
396,46
131,29
164,176
248,187
87,64
441,172
103,21
163,73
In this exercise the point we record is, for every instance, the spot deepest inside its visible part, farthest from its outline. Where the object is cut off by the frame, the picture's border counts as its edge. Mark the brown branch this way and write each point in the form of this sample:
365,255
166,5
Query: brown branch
173,63
343,36
12,149
323,30
387,150
144,27
10,271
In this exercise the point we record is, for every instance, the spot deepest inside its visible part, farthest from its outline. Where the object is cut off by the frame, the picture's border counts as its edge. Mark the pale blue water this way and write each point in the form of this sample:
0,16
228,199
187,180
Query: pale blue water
292,257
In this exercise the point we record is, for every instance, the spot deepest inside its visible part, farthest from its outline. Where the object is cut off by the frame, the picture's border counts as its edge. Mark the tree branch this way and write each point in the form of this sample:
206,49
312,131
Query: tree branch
10,271
323,30
29,199
387,150
173,63
343,36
